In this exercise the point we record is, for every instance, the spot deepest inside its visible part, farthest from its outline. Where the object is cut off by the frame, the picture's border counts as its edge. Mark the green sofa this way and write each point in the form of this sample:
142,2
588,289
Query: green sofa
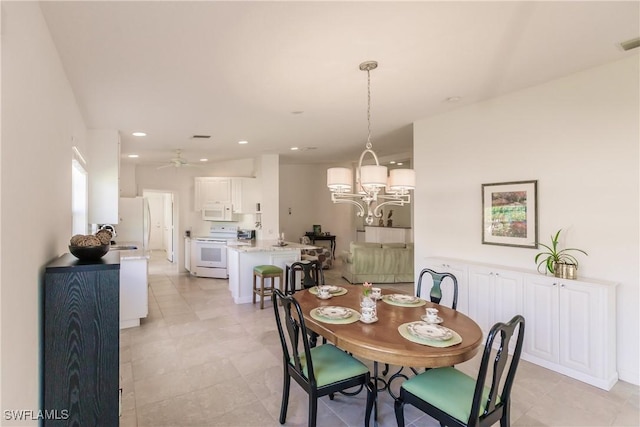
378,263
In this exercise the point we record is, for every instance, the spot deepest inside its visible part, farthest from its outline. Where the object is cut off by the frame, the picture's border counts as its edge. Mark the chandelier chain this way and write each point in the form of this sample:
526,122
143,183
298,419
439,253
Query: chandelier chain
368,145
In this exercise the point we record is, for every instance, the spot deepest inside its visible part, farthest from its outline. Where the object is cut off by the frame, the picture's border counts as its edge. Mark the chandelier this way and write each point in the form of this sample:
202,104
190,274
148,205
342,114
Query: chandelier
370,179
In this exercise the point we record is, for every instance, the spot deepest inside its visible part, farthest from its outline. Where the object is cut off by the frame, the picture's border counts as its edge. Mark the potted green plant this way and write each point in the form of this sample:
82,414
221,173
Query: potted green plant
557,261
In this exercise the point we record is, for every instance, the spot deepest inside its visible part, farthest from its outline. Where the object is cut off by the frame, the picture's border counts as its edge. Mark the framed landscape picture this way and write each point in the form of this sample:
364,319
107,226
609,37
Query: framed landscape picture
510,214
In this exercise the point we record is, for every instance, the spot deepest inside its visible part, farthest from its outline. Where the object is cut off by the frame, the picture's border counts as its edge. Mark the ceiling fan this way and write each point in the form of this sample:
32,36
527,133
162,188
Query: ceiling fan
178,161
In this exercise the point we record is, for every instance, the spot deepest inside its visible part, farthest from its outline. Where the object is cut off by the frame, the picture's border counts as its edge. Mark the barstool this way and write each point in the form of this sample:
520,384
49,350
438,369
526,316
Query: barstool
265,272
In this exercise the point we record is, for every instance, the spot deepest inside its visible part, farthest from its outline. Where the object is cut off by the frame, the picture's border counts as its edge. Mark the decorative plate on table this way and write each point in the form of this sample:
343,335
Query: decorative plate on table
403,300
332,289
334,312
428,331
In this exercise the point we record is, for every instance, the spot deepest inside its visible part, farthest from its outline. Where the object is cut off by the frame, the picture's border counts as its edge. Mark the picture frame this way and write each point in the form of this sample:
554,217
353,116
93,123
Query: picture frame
510,214
317,230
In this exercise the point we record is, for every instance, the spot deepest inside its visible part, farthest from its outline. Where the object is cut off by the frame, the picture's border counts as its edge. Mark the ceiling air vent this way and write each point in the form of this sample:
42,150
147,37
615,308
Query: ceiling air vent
630,44
201,136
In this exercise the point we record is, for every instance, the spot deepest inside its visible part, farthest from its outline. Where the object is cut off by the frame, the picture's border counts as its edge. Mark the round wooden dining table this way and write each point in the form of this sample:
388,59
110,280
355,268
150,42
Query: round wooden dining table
381,341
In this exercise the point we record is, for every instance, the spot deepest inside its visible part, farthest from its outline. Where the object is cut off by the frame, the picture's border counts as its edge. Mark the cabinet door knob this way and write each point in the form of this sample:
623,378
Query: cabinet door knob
555,284
562,286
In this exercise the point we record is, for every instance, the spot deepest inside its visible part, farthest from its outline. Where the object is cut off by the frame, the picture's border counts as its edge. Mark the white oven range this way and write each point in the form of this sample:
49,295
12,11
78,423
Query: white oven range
209,253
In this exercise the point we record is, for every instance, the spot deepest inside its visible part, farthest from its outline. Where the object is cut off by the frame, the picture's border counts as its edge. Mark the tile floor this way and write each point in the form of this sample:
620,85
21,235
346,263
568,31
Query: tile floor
201,360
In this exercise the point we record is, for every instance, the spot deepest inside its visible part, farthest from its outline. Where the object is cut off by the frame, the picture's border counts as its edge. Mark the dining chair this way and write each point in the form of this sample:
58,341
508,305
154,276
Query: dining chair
312,275
435,294
320,371
456,399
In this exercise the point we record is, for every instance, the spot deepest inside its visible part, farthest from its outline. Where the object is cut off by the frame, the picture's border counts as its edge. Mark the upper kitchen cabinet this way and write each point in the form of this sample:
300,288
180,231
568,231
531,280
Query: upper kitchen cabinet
244,195
211,190
241,192
103,150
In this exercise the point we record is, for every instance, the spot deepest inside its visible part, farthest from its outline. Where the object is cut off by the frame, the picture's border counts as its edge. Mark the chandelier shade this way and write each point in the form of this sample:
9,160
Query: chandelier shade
370,179
373,176
339,179
401,180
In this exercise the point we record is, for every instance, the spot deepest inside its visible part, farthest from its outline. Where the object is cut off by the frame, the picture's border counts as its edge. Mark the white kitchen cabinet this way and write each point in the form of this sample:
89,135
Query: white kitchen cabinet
244,195
103,151
571,328
134,294
459,270
241,263
211,190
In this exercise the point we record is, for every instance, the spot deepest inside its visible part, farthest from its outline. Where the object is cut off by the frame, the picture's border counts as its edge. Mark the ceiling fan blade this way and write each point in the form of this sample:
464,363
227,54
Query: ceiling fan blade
165,166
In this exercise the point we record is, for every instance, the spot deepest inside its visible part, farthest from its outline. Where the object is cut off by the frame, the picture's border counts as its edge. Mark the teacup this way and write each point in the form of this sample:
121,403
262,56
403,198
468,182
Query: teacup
323,292
368,313
432,314
376,293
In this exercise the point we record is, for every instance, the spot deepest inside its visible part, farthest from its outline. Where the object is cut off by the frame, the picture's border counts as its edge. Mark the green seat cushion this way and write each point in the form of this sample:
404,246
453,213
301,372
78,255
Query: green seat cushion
330,365
267,269
447,389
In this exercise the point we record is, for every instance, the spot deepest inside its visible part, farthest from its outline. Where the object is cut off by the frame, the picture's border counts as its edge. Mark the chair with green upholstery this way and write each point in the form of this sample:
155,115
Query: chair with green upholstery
436,294
306,273
456,399
320,371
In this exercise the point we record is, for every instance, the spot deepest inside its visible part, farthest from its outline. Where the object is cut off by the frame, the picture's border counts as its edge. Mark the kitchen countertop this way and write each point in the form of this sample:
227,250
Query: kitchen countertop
264,246
138,253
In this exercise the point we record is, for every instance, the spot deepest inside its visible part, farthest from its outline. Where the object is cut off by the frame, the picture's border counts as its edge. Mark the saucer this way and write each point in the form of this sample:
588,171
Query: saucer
327,297
435,322
373,320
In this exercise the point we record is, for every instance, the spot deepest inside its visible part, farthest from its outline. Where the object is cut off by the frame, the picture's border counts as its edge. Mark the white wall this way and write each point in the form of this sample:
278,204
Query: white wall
303,188
40,123
579,137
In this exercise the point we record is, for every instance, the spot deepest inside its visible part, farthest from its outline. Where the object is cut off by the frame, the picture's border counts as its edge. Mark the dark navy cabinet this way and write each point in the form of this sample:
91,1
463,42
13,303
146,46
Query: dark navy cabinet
81,342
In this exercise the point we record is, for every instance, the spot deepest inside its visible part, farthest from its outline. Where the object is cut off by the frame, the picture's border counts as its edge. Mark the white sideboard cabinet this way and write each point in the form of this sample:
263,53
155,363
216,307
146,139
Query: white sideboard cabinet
569,324
495,295
572,328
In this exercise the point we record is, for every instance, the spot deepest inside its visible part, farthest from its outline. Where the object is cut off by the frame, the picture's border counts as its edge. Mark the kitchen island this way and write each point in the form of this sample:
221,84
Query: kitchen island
134,293
243,256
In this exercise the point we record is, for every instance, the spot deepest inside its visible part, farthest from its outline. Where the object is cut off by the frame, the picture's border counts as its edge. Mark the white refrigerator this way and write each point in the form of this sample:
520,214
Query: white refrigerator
133,221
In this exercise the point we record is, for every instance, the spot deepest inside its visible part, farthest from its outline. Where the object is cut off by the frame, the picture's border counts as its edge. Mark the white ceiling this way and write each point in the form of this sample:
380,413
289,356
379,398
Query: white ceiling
239,70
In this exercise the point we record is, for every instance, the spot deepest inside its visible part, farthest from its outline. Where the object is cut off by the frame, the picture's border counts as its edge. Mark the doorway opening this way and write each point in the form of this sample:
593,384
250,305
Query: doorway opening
162,215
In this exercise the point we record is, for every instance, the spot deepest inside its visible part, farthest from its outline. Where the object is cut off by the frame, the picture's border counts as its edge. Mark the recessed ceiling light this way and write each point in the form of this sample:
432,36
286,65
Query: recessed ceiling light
399,163
139,134
294,148
243,142
393,162
204,160
133,156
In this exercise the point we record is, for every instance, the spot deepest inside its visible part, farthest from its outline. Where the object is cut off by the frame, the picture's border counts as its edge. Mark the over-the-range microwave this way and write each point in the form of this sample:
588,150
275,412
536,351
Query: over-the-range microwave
217,212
